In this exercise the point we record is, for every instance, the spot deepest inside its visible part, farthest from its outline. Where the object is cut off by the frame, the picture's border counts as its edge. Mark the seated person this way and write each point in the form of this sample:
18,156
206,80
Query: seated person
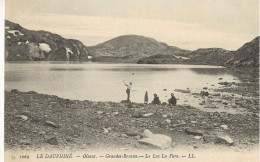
156,100
172,100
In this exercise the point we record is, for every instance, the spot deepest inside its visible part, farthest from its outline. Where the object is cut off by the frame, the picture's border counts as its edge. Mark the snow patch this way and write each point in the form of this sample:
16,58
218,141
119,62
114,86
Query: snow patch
44,47
27,42
14,31
8,37
181,57
68,52
89,57
7,27
19,43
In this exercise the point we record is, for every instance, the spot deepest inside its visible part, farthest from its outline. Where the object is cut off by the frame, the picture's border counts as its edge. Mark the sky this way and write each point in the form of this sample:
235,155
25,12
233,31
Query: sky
188,24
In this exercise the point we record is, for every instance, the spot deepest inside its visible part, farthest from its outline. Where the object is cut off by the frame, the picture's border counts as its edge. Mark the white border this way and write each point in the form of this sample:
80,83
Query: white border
2,13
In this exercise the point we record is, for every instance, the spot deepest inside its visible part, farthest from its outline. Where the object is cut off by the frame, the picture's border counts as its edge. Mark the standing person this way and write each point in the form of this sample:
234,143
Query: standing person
129,87
146,97
156,100
172,100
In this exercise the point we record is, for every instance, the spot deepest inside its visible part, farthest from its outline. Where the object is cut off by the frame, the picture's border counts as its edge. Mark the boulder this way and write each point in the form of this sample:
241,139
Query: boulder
14,91
217,137
195,132
156,140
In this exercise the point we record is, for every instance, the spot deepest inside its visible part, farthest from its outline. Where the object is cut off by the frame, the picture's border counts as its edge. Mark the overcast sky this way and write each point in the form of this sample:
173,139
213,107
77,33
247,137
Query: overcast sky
188,24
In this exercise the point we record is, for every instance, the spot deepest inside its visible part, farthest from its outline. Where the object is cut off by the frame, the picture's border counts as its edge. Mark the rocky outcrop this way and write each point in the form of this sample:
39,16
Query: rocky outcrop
27,45
246,56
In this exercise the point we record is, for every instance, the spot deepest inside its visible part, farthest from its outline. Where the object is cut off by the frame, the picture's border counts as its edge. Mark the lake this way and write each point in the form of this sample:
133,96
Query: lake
104,82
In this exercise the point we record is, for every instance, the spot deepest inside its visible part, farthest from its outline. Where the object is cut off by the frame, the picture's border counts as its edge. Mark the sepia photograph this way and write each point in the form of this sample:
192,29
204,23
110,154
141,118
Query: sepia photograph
131,80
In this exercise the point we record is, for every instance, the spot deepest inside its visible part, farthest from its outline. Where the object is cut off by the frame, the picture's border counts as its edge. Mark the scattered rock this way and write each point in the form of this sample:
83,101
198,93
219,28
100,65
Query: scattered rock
217,137
164,116
195,132
132,133
105,131
51,124
100,112
225,127
197,137
147,115
14,91
53,141
164,103
168,121
156,140
42,133
24,142
116,113
22,117
138,114
95,105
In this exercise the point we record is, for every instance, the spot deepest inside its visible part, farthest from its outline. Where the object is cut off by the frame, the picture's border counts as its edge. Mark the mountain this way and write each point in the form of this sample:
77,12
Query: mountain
203,56
247,56
131,48
24,45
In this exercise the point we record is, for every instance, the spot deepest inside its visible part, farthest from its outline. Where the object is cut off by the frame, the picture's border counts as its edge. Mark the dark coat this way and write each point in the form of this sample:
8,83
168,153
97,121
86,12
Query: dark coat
172,101
156,101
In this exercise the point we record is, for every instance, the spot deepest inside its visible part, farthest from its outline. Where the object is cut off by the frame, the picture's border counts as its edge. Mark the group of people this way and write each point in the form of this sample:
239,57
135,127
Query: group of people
156,101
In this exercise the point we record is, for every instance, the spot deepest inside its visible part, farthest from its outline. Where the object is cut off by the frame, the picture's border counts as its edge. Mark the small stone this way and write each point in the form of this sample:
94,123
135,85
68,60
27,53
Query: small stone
147,115
164,116
168,121
116,113
105,131
24,142
22,117
95,105
53,141
42,133
197,137
100,112
194,122
52,124
196,132
225,127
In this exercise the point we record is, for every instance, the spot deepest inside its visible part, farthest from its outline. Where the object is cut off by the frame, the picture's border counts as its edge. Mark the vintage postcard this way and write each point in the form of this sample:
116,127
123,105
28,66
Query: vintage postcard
131,80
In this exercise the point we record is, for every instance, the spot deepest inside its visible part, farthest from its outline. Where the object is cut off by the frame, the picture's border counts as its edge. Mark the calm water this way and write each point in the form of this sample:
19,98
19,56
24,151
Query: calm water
104,82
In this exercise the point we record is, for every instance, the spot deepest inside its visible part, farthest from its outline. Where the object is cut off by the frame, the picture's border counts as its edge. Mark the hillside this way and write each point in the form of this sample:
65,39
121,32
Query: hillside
28,45
247,56
131,48
206,56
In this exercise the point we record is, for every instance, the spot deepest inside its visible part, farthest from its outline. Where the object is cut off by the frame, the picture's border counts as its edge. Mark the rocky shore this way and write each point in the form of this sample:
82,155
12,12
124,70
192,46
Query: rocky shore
36,121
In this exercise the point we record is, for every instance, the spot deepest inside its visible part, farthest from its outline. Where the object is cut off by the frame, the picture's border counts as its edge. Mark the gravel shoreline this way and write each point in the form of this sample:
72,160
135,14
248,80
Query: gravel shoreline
36,121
